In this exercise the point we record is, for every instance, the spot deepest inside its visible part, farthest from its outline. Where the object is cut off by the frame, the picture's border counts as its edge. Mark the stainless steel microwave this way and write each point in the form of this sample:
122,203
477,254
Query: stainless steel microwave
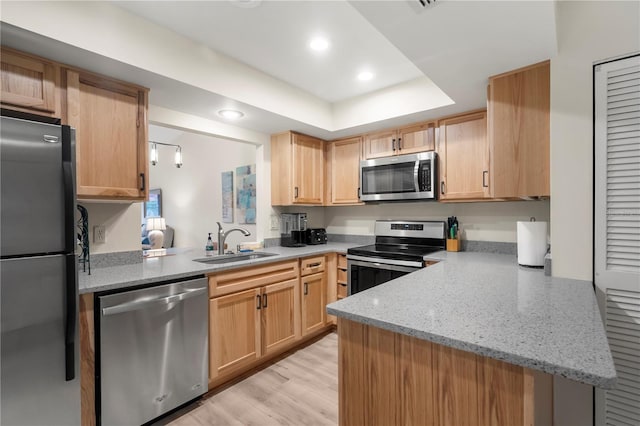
401,177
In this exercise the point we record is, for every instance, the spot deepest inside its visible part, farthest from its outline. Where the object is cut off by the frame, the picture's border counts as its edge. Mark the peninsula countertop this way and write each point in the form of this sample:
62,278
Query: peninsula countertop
488,305
182,265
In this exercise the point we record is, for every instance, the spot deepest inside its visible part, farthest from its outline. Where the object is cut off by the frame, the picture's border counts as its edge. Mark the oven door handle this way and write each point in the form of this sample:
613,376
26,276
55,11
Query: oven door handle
387,264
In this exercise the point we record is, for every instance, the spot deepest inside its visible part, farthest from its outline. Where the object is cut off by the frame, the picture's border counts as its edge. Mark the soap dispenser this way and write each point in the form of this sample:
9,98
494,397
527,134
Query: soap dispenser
209,247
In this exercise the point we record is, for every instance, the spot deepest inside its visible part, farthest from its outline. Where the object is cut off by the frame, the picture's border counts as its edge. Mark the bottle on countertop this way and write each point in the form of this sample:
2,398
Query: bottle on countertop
209,247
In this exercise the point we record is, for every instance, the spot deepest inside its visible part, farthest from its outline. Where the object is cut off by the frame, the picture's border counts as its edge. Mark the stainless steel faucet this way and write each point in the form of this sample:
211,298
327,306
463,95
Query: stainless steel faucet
222,236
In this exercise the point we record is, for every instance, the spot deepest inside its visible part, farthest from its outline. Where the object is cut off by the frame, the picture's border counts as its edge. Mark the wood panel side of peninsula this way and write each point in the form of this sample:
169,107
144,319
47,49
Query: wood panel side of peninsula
386,378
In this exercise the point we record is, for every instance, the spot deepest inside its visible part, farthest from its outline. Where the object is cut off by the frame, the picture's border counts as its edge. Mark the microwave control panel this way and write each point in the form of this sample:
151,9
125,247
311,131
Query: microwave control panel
424,176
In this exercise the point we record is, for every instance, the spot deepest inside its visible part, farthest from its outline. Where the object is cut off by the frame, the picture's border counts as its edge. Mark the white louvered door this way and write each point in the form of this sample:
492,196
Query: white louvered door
617,232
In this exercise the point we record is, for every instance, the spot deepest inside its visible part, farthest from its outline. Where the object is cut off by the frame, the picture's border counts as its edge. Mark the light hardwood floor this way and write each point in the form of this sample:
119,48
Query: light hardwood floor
301,389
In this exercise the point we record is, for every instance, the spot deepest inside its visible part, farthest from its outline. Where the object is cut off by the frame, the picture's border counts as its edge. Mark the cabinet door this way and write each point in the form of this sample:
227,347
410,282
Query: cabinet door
111,137
418,138
313,302
234,331
344,156
308,170
464,157
29,83
519,132
381,144
280,302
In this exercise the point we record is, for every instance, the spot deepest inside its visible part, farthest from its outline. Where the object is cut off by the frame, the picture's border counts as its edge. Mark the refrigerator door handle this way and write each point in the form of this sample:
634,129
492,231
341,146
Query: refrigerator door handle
70,320
71,286
69,189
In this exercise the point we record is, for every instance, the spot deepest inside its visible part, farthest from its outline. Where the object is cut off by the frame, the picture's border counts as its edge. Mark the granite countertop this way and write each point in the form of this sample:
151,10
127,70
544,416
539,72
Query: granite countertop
488,305
181,265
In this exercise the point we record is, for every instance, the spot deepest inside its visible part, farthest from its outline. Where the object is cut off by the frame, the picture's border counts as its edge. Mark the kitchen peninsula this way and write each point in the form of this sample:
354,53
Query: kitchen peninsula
473,339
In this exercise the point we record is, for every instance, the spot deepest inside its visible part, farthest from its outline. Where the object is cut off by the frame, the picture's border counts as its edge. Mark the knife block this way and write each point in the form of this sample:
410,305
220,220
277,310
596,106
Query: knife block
453,245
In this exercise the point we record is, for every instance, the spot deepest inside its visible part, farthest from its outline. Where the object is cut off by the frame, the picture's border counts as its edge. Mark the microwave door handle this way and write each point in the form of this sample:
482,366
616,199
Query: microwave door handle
416,180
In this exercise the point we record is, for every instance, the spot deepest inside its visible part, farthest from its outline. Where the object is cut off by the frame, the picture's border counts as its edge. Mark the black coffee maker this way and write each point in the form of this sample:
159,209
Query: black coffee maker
293,228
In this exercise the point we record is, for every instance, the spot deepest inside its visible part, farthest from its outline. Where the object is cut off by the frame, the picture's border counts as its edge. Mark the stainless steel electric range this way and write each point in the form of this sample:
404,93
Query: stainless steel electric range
399,249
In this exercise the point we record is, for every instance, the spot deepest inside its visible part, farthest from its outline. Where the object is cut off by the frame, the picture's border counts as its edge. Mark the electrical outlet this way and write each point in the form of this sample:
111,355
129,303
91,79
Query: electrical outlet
99,234
275,222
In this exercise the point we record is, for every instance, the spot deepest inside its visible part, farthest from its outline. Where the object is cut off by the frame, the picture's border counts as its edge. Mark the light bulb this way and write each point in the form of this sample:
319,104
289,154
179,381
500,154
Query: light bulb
178,157
154,154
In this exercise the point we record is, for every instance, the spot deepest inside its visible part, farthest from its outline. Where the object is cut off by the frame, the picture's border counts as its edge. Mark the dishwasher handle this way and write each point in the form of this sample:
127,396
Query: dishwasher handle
142,304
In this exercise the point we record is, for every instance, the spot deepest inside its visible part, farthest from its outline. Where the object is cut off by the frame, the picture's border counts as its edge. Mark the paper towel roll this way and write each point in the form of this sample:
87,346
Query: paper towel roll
532,243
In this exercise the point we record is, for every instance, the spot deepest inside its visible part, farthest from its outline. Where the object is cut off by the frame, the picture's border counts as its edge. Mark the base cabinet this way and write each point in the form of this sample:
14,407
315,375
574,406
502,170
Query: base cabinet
235,338
250,324
387,378
314,304
280,326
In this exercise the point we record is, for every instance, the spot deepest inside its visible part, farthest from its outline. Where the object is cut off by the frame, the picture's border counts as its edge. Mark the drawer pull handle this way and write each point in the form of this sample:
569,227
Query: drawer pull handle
314,265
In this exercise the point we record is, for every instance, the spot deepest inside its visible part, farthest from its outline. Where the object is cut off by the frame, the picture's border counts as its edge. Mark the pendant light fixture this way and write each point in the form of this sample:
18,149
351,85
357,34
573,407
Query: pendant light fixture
178,157
154,156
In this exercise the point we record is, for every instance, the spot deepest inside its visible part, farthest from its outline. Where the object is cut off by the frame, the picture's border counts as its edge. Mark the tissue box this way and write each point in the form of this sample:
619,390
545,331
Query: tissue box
453,245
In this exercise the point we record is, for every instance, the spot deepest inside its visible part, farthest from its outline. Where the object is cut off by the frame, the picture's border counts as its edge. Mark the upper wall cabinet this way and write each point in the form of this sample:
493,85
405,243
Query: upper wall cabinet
343,172
463,153
111,124
30,84
297,169
518,114
406,140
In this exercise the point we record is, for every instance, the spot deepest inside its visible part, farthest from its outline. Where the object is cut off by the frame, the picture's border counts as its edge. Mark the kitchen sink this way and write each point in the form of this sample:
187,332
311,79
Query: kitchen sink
228,258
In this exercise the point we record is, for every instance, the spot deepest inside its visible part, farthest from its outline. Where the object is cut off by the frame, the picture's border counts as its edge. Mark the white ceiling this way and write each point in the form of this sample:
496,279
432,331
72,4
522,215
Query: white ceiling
273,37
452,47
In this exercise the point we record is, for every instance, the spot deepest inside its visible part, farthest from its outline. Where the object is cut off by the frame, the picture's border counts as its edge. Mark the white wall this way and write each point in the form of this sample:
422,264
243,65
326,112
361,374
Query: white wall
587,32
122,224
479,221
192,194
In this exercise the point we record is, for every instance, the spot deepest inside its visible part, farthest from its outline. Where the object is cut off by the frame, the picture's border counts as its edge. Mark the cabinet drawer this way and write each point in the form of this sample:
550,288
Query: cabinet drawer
342,261
242,279
312,265
342,290
342,276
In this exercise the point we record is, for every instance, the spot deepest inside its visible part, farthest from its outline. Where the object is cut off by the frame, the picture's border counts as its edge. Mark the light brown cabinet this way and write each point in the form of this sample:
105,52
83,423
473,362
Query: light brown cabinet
313,288
406,140
297,170
314,303
29,83
518,114
254,312
342,276
110,118
343,171
250,324
463,152
234,332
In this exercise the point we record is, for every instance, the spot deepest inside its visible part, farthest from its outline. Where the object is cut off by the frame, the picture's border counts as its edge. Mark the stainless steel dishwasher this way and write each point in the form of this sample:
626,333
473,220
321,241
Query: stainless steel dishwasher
153,351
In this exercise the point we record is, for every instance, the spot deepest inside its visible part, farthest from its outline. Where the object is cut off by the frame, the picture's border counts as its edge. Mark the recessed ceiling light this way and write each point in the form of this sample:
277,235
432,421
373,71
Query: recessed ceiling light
365,75
319,44
230,113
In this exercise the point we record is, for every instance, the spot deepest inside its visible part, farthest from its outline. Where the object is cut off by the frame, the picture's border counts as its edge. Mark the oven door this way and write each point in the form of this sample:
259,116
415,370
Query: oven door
364,273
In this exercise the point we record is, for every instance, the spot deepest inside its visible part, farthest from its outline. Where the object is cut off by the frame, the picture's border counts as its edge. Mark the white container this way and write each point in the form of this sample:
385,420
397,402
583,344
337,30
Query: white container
532,243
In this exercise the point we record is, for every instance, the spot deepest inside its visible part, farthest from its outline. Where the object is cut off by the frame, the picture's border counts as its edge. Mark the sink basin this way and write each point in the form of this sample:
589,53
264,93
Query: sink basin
228,258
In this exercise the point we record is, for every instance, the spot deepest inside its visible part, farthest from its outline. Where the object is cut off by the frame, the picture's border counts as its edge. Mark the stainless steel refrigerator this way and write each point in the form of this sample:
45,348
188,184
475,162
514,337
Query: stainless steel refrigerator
39,383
